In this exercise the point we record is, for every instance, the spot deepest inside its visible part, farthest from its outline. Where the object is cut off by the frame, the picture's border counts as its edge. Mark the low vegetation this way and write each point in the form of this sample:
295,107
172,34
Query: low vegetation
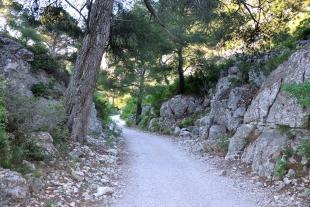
301,91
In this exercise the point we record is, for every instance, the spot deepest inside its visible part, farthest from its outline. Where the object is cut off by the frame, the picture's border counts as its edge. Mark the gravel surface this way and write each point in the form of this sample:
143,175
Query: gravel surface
161,175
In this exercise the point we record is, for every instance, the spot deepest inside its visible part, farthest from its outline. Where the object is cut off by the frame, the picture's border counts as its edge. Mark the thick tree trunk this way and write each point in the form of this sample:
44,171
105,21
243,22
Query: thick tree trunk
140,95
78,97
180,71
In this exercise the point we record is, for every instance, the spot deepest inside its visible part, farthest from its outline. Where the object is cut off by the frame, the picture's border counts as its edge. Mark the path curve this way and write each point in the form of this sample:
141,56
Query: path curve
161,175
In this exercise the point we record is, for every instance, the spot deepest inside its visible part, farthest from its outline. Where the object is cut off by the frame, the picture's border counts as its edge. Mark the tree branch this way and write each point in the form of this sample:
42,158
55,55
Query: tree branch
77,10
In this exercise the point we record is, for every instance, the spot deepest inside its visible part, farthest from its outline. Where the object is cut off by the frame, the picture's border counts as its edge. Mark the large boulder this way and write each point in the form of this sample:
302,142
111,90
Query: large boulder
264,151
181,106
14,190
14,66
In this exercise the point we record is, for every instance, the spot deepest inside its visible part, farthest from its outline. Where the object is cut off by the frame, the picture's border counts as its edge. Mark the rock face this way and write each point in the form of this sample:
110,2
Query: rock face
269,110
14,190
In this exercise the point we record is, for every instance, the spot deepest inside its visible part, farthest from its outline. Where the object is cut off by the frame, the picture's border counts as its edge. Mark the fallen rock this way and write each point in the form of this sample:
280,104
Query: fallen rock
45,141
14,189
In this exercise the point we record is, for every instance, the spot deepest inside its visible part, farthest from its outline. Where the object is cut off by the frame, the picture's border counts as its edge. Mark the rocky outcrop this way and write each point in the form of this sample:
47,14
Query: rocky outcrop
269,110
14,190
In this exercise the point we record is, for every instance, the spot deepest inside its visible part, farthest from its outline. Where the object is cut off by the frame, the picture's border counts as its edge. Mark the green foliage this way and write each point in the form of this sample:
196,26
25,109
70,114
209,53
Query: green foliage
206,75
222,142
43,89
303,30
281,168
130,109
304,150
286,129
188,121
104,108
301,91
42,59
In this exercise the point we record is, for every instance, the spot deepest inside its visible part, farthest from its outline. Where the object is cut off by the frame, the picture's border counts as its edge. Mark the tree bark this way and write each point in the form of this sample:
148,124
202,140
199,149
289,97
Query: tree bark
140,95
78,97
181,71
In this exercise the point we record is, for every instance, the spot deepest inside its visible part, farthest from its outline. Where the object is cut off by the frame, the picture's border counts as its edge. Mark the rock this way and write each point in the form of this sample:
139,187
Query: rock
238,142
94,125
180,106
291,173
287,111
185,134
287,181
45,141
36,184
77,175
259,108
177,131
234,70
29,165
216,131
263,152
223,172
104,191
14,190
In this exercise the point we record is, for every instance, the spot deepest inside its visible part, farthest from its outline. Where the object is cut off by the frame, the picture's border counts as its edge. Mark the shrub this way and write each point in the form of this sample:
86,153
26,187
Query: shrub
188,121
303,30
301,91
104,107
281,168
222,142
129,110
287,130
304,150
42,60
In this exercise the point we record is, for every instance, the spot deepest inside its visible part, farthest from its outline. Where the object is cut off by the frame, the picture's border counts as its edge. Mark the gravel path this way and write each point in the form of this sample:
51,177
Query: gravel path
162,175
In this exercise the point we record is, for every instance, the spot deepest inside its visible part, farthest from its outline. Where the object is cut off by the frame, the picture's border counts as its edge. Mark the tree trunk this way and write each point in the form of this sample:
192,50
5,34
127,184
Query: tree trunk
140,95
78,97
180,71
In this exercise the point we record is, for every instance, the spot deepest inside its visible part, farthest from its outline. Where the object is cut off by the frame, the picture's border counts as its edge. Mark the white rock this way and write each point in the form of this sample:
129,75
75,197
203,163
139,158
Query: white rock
104,191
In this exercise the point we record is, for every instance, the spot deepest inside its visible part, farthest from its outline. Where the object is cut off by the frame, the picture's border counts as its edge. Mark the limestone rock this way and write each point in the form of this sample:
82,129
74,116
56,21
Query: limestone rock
239,140
264,151
14,190
216,131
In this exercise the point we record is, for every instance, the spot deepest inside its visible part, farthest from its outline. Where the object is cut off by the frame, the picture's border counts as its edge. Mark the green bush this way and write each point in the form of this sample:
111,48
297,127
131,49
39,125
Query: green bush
281,168
129,110
303,30
222,142
42,59
301,91
287,130
188,121
304,150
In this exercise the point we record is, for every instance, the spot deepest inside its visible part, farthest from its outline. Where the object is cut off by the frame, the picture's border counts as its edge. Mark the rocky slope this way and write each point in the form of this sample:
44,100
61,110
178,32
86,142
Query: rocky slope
85,177
263,128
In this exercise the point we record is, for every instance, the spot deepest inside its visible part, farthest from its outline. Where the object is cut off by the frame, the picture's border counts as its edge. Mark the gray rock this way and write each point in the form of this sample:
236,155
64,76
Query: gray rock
180,106
216,131
14,190
29,165
45,141
238,142
264,151
177,131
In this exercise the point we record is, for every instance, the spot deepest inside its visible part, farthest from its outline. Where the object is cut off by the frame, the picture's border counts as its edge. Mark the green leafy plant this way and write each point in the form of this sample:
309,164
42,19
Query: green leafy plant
281,168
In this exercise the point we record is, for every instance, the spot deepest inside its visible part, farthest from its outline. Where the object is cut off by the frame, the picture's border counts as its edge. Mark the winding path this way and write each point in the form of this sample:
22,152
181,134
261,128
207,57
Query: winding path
162,175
